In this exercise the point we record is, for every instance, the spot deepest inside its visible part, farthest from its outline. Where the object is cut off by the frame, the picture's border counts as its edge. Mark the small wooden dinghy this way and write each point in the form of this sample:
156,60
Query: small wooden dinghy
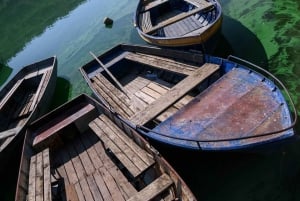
24,98
191,100
82,151
178,22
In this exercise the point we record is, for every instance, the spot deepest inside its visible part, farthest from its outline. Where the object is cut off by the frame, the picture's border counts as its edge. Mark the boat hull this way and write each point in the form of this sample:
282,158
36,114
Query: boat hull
202,37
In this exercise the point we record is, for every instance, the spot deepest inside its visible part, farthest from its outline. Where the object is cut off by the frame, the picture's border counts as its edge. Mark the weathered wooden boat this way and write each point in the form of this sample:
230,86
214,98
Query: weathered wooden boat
177,22
24,98
191,100
83,151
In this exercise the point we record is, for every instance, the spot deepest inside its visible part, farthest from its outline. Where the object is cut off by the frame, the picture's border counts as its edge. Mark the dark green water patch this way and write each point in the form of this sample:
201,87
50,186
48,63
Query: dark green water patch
5,71
61,93
18,17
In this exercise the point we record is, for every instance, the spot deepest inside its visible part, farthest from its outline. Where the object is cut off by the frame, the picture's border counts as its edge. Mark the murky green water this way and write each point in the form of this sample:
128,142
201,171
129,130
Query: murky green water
265,32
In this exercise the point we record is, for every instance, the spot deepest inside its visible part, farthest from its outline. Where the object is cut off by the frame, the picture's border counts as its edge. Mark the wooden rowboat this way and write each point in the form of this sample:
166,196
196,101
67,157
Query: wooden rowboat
178,22
190,100
24,98
83,151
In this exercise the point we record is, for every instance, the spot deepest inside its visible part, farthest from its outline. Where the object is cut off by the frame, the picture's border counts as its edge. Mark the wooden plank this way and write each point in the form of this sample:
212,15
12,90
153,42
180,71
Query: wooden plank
79,192
32,173
84,157
78,166
153,4
144,97
86,190
111,97
123,182
91,152
47,177
125,145
111,185
102,187
93,138
68,165
71,194
39,185
118,94
42,85
143,155
174,94
131,167
178,18
109,100
153,189
94,188
10,92
162,63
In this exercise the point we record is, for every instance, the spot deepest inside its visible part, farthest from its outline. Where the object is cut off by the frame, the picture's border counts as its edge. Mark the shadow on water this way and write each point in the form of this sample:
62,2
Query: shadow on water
61,93
5,71
238,40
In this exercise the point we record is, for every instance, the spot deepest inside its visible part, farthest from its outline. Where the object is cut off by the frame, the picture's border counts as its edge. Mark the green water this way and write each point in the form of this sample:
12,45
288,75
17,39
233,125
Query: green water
265,32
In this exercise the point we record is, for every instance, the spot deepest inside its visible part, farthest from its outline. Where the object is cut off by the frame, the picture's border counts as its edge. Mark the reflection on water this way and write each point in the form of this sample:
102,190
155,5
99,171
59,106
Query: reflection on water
262,31
21,21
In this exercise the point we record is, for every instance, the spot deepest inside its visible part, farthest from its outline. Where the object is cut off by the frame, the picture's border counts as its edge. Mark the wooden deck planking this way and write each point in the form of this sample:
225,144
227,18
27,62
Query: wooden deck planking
153,189
121,95
94,188
32,173
111,185
68,165
71,194
78,166
84,157
47,177
39,187
178,18
97,162
102,186
112,99
174,94
86,190
79,192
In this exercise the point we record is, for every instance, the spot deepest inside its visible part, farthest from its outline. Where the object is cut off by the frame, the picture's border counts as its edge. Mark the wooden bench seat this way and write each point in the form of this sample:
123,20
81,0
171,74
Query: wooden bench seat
135,159
116,98
39,177
153,189
162,63
45,135
174,94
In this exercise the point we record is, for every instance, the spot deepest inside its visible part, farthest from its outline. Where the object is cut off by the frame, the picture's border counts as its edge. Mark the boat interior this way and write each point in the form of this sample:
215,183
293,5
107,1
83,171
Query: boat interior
74,160
147,78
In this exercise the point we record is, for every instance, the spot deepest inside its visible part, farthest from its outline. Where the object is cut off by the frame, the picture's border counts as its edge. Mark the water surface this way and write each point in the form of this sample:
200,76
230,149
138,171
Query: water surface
265,32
